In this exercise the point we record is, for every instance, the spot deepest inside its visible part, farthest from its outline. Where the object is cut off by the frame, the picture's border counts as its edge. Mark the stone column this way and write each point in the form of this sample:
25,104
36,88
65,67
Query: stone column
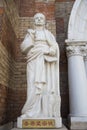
77,87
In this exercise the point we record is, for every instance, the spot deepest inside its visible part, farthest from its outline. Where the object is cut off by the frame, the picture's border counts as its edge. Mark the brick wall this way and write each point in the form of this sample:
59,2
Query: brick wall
3,79
29,8
3,103
6,81
62,13
7,66
12,14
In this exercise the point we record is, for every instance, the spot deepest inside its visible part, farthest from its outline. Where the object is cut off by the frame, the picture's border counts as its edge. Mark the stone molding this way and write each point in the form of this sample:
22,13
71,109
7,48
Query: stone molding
70,42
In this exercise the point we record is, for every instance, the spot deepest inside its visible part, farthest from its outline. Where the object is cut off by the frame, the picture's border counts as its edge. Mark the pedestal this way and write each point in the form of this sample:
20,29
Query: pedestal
78,123
39,122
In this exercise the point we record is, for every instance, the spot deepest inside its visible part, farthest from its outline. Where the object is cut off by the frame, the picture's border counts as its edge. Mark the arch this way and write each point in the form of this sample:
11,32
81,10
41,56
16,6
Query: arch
77,28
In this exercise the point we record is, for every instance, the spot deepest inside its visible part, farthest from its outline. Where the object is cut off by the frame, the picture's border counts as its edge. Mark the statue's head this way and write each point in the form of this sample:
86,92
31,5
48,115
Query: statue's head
39,19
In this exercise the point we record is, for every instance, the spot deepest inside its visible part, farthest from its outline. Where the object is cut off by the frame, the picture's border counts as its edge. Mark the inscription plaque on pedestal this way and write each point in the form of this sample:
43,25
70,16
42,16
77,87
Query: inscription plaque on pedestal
32,123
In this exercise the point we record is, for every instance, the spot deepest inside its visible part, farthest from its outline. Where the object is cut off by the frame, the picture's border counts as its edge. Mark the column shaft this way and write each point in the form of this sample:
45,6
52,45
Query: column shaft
77,86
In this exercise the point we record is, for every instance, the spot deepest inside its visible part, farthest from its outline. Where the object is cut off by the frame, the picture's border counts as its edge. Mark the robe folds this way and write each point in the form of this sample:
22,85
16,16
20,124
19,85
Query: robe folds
43,94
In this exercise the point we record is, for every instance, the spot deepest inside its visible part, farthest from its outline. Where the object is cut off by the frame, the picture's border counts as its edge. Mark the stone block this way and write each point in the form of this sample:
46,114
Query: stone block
78,123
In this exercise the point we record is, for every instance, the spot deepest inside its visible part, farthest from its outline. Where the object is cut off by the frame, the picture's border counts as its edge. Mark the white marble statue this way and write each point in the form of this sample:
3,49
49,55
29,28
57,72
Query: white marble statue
41,48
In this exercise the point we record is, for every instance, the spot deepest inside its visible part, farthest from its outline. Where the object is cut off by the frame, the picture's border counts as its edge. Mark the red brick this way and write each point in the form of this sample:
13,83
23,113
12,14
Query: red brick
47,9
60,25
27,8
8,36
1,10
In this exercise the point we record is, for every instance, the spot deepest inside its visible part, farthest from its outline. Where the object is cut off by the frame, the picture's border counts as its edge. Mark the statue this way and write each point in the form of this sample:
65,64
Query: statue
43,94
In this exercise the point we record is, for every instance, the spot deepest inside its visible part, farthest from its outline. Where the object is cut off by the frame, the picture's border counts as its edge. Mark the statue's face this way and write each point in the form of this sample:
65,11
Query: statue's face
39,19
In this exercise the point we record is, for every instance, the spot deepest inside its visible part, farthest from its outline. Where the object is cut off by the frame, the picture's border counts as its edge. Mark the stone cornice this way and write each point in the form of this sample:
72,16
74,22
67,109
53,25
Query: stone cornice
70,42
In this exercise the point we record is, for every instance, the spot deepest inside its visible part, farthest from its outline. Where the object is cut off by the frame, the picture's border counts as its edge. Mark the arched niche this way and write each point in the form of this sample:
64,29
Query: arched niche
77,28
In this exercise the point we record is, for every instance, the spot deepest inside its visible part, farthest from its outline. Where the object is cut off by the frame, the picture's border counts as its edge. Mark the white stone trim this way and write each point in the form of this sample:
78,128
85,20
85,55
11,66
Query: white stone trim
72,18
75,42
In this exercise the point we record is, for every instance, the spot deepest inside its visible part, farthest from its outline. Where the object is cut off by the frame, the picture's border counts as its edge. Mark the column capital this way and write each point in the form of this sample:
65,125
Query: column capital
70,42
75,50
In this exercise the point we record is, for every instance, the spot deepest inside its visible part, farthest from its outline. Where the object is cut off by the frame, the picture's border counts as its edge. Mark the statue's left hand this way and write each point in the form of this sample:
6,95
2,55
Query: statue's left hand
46,51
52,52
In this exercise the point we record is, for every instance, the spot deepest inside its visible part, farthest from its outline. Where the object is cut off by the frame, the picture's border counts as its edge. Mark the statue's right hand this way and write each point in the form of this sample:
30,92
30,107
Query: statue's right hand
31,31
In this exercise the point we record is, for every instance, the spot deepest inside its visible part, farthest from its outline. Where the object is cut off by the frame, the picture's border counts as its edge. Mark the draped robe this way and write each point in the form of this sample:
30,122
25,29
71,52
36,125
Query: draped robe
43,95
